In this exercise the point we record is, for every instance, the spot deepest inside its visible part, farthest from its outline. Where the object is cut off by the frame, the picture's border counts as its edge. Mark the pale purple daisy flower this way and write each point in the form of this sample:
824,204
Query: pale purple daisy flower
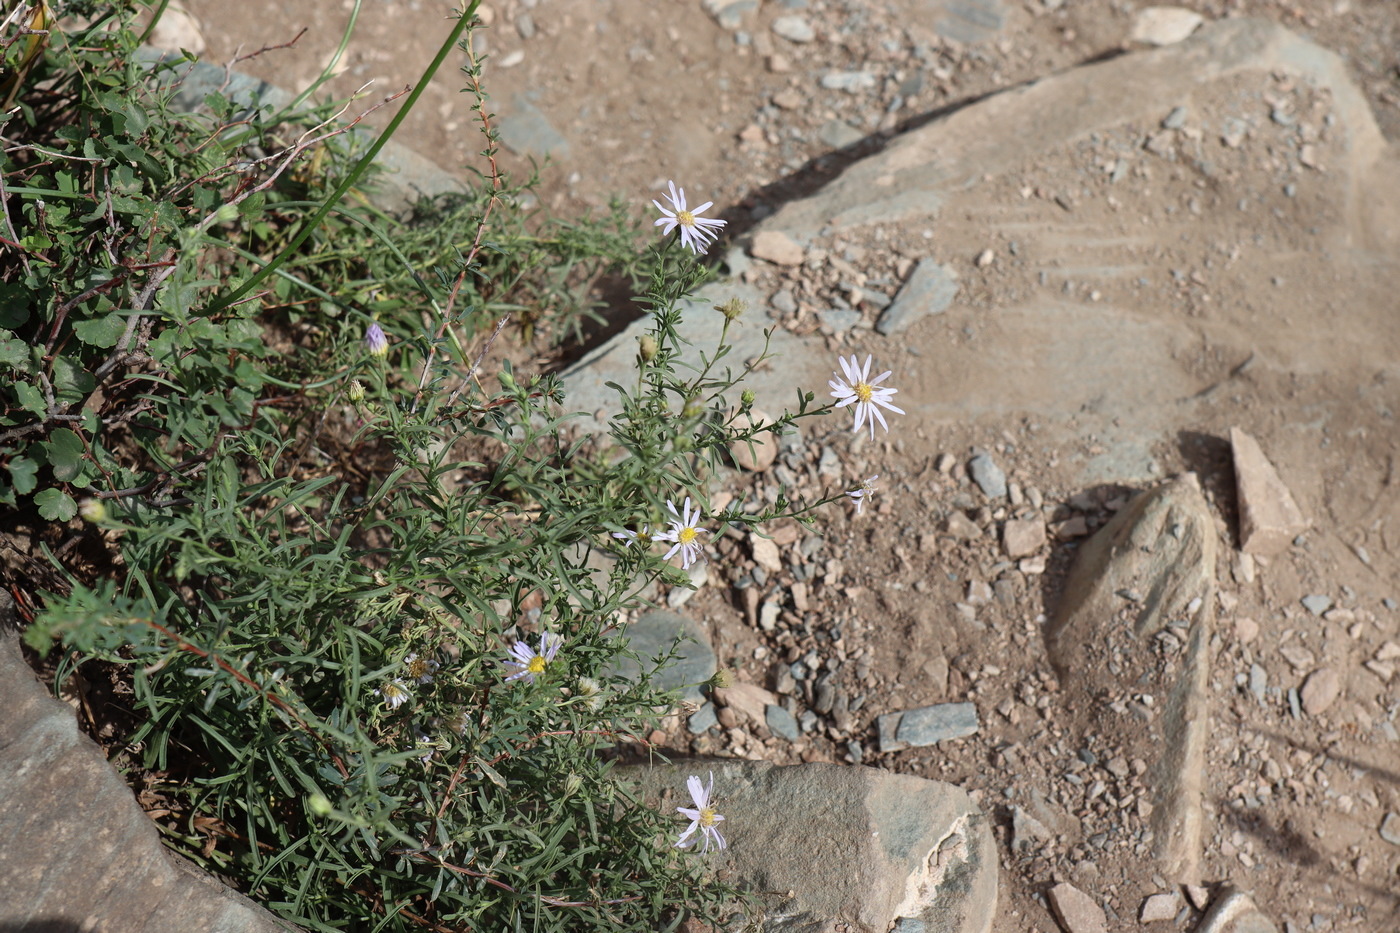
865,393
702,816
395,693
375,341
530,663
862,492
627,536
684,534
697,233
421,669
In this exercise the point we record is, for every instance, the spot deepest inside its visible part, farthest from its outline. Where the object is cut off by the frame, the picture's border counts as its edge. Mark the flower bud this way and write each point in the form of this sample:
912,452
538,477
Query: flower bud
722,679
318,805
93,510
747,397
646,347
376,342
356,391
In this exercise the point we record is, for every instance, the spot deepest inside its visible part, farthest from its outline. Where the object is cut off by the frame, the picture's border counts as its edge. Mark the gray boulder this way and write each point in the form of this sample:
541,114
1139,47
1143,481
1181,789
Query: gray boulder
843,845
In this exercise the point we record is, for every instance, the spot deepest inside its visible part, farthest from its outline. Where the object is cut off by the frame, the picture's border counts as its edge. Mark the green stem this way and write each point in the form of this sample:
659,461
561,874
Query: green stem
358,171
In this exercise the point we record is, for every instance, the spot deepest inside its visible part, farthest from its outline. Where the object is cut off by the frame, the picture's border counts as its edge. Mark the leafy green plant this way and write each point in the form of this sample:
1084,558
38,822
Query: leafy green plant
369,601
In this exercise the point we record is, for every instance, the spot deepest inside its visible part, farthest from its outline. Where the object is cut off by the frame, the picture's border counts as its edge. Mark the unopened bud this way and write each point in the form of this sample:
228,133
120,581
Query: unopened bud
93,510
356,391
722,679
646,347
319,805
572,783
747,397
375,341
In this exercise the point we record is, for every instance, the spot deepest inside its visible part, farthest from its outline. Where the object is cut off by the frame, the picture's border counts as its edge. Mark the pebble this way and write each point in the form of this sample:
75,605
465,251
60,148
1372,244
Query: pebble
1164,25
1390,829
780,722
1176,119
839,135
962,527
1317,605
1027,832
928,725
1023,536
852,82
930,289
1076,910
1158,907
988,476
1320,690
765,553
776,247
1258,681
793,29
703,719
783,302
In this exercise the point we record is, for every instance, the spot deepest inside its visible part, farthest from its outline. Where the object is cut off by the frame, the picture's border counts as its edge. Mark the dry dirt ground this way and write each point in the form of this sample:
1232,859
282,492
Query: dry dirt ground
916,601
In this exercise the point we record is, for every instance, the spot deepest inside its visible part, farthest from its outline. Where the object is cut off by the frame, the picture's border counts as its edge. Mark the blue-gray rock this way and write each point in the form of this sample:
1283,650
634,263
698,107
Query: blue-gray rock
838,134
794,28
839,321
852,82
76,852
1317,604
930,725
1176,119
988,476
1258,681
780,722
855,846
652,636
702,720
930,290
525,130
970,21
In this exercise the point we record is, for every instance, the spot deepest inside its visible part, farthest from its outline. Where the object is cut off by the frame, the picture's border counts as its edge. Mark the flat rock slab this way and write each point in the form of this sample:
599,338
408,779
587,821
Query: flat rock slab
1134,622
653,635
76,852
1135,246
854,845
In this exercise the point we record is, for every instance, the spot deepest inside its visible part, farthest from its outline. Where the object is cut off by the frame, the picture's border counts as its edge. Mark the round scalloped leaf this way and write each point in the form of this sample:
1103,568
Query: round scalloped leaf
65,452
56,505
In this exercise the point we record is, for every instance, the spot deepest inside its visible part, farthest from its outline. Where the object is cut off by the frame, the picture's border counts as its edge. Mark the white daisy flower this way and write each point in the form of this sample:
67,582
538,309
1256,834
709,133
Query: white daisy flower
421,669
697,233
862,391
862,492
592,693
628,536
395,693
529,663
702,816
684,534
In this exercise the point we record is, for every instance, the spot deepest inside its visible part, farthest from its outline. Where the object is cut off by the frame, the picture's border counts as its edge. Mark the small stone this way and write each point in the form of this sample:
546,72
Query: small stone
1158,907
1246,630
788,99
1389,651
748,700
930,289
1164,25
985,258
702,720
1390,829
838,134
794,29
776,247
1175,120
1320,690
780,722
768,616
1027,832
1076,910
1022,537
1258,681
1269,518
852,82
1198,895
988,476
930,725
765,553
1317,605
962,527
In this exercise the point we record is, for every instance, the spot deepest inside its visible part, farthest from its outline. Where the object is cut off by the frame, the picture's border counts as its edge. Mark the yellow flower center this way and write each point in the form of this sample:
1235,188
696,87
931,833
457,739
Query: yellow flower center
707,816
536,665
418,667
687,535
863,391
685,218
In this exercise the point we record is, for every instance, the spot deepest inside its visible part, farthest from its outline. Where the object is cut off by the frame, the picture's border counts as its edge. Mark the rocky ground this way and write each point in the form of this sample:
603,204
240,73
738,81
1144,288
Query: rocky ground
1126,289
